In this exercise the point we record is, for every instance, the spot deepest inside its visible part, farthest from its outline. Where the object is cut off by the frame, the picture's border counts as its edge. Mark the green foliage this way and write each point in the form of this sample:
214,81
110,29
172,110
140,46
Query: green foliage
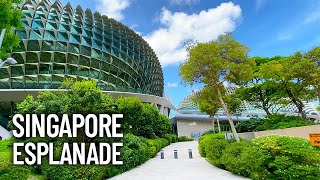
295,74
216,61
213,63
245,159
6,145
214,151
289,157
205,140
266,157
10,16
278,121
184,138
84,97
140,121
211,131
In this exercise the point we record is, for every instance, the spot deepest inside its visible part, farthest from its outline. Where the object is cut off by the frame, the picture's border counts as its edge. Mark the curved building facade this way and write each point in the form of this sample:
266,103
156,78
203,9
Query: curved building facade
59,42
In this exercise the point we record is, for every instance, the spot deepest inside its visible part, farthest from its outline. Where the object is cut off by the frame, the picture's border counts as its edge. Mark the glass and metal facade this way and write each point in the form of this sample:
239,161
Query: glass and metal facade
59,42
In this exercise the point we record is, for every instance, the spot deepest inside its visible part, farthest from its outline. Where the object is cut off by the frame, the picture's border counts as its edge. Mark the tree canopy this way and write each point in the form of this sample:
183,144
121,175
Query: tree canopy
10,16
216,62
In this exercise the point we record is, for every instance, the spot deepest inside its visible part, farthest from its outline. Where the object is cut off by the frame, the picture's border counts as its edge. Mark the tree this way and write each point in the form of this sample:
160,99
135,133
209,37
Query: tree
208,102
10,17
216,62
296,75
314,55
260,92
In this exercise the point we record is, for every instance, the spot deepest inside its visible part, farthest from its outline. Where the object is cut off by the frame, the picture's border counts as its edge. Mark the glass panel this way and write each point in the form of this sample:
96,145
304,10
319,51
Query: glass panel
16,71
31,69
63,36
59,69
45,57
48,46
33,45
35,35
59,58
32,58
18,57
74,48
44,69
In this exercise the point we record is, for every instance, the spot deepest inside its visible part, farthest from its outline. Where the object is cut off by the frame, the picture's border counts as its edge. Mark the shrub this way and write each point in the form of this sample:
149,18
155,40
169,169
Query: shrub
211,131
267,157
214,151
204,140
84,97
184,138
278,121
171,138
289,157
244,159
6,145
249,126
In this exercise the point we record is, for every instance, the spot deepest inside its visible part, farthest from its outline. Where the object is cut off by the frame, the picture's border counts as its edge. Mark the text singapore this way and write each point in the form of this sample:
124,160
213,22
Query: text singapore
32,125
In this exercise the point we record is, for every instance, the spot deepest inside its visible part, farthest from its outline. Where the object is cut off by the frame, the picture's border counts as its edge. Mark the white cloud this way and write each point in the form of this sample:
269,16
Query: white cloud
182,2
112,8
172,85
178,27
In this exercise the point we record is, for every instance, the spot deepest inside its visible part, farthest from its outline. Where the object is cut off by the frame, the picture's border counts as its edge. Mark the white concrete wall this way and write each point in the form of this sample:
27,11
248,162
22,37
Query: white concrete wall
302,132
5,134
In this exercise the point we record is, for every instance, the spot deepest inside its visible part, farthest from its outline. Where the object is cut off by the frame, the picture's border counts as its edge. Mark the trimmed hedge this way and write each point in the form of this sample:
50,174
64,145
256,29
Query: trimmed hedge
184,138
136,150
267,157
278,121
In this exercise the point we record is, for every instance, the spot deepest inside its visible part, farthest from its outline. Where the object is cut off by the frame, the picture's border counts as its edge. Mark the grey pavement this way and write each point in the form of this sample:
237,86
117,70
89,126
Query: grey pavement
182,168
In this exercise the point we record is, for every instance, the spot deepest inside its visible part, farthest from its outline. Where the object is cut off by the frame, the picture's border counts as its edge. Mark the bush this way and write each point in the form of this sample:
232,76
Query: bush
278,121
184,138
267,157
211,131
204,140
214,151
244,159
6,145
85,98
171,138
289,157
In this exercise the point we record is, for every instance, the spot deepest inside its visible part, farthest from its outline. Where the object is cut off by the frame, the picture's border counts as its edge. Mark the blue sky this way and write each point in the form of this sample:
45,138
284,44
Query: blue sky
267,27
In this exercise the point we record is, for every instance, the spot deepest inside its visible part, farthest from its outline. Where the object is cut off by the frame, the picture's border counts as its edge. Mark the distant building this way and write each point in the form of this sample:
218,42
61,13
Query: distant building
190,121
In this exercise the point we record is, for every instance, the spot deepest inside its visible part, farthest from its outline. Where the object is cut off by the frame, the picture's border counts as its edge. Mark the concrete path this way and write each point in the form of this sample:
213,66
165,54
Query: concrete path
175,169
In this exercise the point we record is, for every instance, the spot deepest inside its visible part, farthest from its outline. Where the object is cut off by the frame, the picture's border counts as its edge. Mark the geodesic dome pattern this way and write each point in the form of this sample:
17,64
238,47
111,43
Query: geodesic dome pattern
59,42
188,105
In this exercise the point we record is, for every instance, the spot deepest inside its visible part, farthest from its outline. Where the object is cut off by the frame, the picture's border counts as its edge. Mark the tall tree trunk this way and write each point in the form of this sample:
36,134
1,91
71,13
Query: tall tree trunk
265,108
226,110
297,102
214,129
299,105
318,90
218,125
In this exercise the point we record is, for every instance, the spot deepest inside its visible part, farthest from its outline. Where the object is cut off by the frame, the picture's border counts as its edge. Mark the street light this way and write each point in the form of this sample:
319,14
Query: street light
10,61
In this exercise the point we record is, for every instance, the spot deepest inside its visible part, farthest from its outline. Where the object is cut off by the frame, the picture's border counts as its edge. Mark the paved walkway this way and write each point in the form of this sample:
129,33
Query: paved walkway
174,169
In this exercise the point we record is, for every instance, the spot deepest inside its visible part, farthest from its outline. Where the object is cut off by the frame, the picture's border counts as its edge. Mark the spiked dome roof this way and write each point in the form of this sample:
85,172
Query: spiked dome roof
59,42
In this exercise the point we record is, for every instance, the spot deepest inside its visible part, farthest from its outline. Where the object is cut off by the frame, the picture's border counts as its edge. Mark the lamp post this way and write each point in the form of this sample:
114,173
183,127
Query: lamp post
10,61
